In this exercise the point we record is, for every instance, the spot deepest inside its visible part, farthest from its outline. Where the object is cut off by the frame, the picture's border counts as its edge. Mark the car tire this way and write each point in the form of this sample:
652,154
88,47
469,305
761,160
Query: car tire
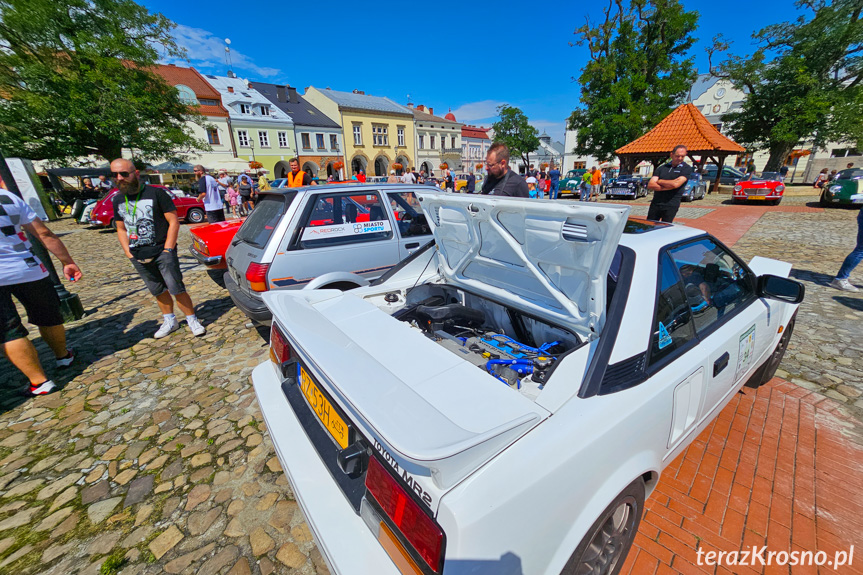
604,548
776,202
768,369
823,200
195,216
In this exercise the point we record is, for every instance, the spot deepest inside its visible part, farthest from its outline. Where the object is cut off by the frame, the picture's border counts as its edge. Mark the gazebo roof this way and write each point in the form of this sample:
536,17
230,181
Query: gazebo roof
685,125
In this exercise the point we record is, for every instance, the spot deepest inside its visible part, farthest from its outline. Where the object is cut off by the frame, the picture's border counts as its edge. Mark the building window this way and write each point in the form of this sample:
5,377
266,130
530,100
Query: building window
187,95
245,109
334,142
283,139
213,136
579,165
718,127
380,136
453,142
243,138
264,139
320,141
307,142
422,142
265,110
431,142
358,135
208,102
401,135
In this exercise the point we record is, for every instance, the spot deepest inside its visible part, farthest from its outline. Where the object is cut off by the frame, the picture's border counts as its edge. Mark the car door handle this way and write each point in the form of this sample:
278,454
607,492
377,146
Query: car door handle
412,245
720,364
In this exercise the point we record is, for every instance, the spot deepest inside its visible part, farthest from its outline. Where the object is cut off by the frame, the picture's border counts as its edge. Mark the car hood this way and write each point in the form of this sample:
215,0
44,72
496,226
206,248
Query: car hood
547,258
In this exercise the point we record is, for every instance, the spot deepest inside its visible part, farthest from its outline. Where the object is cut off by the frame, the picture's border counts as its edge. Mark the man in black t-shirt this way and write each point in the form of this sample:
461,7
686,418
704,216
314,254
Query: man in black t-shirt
147,228
502,181
667,183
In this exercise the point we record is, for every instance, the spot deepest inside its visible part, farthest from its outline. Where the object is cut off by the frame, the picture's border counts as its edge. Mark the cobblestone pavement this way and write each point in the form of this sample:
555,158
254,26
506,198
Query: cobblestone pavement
152,457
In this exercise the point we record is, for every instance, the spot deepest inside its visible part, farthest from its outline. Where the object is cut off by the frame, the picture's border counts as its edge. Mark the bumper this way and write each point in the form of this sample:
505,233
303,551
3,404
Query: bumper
206,260
254,308
347,544
99,223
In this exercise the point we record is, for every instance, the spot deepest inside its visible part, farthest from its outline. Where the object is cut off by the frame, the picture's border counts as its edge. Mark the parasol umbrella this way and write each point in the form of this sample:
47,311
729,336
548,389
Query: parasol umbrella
232,164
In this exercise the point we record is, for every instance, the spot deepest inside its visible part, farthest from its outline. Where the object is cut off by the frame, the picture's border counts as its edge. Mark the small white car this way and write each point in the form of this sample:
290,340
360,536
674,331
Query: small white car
504,400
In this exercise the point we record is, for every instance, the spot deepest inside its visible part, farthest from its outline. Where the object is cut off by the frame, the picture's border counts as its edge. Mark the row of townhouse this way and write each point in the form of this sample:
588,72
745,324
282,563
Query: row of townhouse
325,129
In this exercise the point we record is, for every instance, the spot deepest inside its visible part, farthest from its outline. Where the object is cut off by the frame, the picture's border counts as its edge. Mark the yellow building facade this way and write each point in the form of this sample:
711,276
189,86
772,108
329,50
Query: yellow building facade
377,132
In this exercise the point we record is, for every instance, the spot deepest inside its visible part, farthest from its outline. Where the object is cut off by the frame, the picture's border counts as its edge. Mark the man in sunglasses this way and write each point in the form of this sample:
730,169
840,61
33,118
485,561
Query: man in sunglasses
147,227
502,181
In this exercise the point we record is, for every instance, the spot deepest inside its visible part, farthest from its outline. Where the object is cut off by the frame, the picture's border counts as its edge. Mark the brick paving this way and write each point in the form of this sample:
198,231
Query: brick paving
153,456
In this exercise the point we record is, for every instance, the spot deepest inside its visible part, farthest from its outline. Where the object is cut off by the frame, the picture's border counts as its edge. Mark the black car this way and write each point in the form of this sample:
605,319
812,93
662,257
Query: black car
730,176
625,186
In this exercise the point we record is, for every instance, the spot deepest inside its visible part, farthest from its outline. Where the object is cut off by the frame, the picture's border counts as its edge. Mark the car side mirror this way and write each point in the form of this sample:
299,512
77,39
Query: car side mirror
779,288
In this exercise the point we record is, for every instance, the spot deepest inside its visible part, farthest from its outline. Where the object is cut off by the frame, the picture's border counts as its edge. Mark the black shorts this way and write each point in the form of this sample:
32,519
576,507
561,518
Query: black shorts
214,216
662,212
162,274
40,301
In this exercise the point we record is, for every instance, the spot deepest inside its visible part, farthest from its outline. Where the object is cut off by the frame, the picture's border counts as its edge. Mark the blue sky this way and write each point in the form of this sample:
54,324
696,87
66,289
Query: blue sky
463,56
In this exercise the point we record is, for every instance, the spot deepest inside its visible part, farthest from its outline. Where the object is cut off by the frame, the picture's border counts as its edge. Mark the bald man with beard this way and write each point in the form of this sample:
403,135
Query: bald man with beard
147,228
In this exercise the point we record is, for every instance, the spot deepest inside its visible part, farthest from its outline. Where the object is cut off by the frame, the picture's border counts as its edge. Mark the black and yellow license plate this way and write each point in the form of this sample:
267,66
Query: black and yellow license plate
757,198
323,408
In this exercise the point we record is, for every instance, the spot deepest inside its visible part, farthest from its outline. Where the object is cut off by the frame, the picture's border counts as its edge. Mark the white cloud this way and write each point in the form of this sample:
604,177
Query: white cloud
206,51
474,111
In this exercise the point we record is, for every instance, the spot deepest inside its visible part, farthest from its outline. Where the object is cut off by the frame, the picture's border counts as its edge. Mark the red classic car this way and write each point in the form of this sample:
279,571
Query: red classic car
188,209
767,187
210,243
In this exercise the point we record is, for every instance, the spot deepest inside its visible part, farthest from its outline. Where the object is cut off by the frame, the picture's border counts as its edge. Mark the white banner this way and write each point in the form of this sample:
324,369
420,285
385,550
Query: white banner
344,230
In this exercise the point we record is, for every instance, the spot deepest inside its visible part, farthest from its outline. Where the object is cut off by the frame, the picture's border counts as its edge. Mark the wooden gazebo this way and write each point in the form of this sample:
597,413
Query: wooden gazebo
686,126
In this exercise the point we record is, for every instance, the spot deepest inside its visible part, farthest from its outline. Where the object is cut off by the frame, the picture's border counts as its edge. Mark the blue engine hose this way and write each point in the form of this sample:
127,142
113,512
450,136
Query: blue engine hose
540,349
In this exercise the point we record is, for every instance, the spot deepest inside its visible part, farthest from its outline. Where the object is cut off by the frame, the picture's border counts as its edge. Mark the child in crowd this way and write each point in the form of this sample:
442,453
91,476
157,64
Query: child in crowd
233,198
531,187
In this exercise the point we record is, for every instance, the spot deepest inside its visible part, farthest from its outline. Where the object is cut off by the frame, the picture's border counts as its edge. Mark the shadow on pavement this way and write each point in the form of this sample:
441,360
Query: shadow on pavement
92,341
854,303
810,276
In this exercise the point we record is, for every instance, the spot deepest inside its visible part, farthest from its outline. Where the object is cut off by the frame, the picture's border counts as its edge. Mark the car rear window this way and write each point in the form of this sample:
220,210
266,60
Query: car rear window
259,226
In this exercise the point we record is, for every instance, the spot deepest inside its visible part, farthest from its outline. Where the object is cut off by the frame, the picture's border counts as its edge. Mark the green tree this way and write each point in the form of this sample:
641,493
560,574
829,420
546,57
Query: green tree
803,81
637,74
513,130
76,80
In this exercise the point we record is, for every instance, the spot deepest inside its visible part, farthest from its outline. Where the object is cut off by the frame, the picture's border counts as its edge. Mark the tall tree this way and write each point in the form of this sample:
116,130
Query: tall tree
803,82
637,74
76,80
514,130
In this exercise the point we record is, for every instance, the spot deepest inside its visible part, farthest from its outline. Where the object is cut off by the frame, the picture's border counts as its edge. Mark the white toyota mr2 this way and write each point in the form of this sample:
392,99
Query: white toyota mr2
503,400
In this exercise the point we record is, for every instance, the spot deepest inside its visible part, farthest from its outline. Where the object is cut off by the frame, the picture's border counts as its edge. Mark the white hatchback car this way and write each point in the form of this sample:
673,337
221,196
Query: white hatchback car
504,400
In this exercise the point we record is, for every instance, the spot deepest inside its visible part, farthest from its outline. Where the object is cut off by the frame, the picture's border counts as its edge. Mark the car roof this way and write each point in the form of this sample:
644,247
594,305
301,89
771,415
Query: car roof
654,240
361,188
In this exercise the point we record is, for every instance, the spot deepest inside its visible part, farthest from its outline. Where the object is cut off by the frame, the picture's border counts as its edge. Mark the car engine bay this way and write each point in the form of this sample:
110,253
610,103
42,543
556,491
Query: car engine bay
519,350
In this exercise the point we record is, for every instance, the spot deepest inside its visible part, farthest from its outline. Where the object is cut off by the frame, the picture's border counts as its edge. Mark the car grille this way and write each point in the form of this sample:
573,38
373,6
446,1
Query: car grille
621,191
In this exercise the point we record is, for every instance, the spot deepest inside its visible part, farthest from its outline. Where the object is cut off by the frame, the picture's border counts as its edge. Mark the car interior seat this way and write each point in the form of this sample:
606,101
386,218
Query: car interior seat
350,213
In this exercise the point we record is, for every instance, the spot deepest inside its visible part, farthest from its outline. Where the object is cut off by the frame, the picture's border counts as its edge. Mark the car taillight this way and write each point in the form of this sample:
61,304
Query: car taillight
419,529
780,188
280,350
256,274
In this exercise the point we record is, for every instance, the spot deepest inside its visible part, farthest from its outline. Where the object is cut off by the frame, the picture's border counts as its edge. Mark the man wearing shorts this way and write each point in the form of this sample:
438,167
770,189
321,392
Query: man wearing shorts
147,227
22,275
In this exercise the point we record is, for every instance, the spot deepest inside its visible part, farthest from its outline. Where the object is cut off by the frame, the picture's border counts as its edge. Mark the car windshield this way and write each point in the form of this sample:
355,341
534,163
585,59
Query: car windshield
766,177
571,174
849,175
626,177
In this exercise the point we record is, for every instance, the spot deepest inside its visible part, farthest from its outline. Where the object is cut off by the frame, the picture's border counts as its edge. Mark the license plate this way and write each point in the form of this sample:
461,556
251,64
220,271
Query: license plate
757,198
322,407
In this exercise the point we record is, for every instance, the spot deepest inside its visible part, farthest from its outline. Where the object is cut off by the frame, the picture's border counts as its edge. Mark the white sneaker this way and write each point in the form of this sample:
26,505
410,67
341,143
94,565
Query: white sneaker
844,285
42,388
168,326
196,327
